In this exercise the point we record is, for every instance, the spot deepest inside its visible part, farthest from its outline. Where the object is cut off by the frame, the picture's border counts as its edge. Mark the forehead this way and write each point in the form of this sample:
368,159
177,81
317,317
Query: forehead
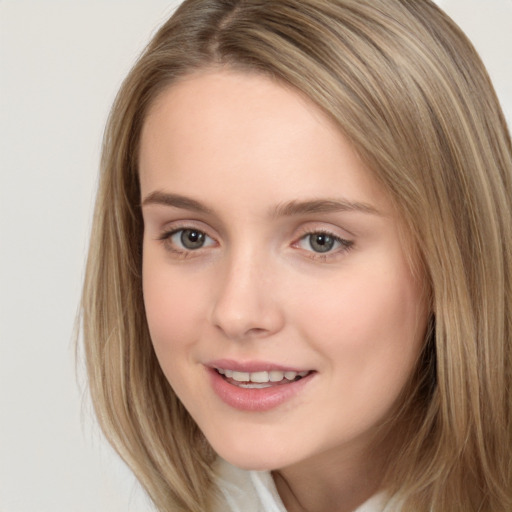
246,129
246,107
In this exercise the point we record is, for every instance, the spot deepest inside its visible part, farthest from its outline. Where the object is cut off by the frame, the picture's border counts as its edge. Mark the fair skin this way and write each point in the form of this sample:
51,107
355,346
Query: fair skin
269,247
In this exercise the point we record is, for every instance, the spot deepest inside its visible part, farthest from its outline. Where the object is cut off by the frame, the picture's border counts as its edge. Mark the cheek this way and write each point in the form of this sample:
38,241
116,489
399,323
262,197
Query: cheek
370,324
174,309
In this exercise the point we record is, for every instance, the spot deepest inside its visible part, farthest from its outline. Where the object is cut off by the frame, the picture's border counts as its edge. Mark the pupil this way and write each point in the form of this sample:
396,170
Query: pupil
321,242
192,239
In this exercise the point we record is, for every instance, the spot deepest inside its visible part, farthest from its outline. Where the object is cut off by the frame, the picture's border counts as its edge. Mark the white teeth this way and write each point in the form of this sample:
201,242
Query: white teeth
276,376
241,376
259,377
253,385
262,377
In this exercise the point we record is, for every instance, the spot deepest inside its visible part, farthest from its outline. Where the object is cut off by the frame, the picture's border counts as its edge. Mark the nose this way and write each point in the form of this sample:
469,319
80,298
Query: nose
245,305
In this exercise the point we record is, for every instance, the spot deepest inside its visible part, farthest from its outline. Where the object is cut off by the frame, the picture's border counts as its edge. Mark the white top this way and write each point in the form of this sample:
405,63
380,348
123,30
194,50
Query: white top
255,491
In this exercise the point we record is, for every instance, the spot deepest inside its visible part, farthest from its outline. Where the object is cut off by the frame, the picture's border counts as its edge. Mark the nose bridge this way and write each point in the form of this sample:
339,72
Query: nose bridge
245,305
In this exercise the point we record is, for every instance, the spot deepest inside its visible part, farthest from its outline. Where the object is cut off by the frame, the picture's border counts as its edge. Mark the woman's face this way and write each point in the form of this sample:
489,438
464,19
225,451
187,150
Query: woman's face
279,298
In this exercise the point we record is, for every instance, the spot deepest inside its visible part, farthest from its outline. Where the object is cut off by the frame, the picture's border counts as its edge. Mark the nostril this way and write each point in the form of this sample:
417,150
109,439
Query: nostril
239,329
256,331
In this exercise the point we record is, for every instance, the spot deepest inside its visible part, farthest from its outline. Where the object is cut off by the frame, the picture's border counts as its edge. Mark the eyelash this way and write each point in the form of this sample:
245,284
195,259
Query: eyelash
343,244
166,239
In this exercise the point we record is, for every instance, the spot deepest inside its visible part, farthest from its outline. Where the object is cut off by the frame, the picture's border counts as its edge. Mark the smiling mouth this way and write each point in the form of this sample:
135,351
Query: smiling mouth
260,380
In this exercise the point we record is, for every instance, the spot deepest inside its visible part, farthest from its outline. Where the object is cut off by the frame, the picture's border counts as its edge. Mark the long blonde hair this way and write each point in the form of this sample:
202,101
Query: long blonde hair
404,84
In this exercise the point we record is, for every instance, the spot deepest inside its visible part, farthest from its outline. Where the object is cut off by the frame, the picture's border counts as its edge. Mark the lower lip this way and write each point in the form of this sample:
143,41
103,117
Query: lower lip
253,399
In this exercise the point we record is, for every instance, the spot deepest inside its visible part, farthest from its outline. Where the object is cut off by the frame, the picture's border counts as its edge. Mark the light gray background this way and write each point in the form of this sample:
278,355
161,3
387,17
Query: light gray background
61,63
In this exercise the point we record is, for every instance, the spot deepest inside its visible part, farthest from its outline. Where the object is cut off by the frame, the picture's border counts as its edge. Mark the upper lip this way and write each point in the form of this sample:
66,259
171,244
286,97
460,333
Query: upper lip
252,366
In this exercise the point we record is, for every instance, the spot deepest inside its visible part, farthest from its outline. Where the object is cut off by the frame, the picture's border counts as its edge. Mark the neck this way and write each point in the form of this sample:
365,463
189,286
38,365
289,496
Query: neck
337,481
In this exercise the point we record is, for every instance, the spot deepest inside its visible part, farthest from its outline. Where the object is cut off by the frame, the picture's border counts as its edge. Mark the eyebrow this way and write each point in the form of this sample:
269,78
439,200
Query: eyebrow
288,209
293,208
175,200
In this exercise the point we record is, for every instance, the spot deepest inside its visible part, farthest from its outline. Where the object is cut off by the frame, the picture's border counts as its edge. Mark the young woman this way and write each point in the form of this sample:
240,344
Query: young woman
299,287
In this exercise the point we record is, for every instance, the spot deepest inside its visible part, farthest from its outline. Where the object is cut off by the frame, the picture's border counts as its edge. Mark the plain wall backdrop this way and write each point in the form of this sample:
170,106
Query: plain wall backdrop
61,63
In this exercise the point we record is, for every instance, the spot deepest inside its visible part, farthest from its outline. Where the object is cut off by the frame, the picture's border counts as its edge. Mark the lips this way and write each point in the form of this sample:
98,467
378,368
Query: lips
256,386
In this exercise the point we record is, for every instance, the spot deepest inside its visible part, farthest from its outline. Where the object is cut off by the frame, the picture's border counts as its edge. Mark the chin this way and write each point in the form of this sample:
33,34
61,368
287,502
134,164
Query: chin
253,454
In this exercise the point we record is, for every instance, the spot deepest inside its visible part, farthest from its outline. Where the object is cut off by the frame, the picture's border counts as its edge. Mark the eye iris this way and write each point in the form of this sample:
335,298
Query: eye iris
192,239
321,242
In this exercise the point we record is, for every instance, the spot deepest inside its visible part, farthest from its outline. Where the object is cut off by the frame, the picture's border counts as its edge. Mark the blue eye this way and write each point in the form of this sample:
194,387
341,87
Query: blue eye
189,239
320,242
